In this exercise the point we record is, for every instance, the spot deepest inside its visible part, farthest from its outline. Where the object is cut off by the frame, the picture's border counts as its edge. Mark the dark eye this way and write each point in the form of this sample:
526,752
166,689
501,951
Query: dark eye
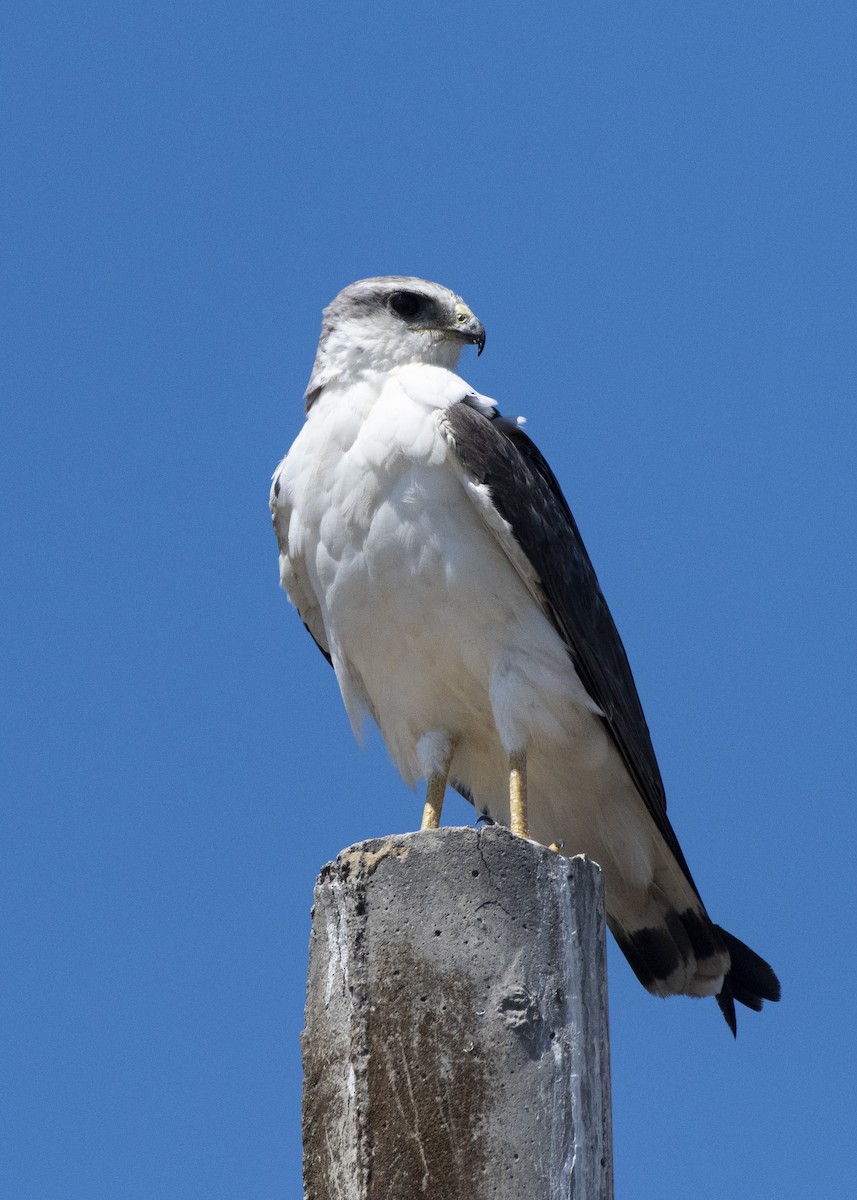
406,304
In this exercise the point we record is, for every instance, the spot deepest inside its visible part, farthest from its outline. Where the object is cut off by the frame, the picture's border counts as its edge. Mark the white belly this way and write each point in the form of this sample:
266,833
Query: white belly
431,628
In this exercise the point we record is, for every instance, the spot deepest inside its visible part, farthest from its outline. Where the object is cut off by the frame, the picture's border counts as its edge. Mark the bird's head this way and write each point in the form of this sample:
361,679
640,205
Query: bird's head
378,324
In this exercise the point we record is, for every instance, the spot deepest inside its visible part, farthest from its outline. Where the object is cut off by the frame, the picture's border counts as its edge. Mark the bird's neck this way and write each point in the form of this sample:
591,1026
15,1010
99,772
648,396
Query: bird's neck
344,358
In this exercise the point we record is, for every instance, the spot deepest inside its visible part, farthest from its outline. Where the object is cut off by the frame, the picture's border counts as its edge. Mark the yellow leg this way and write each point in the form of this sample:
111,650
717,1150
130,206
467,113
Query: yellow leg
434,802
518,792
435,791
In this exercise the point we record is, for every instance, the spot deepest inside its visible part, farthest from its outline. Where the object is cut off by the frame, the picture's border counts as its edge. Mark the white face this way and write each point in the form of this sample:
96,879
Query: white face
379,324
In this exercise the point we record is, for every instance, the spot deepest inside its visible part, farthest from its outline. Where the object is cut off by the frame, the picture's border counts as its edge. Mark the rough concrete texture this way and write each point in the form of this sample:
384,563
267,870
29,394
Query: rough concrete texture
456,1043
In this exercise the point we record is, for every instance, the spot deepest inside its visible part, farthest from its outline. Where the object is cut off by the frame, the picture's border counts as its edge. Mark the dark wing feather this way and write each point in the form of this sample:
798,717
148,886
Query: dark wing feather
525,492
322,648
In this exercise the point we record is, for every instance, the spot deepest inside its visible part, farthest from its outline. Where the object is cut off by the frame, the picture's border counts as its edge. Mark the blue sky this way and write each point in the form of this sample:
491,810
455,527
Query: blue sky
652,209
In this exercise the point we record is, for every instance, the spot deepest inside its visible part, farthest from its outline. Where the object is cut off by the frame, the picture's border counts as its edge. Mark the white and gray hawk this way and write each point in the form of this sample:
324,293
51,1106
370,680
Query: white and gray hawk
431,554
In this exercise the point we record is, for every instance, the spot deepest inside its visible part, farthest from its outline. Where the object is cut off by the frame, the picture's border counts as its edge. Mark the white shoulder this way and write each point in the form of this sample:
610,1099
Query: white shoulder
437,387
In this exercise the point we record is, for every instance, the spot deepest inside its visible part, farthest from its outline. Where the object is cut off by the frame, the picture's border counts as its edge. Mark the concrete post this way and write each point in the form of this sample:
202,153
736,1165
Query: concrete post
456,1041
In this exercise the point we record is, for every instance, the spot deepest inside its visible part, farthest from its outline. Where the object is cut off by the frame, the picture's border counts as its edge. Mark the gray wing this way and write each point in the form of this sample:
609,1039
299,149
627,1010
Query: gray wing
525,493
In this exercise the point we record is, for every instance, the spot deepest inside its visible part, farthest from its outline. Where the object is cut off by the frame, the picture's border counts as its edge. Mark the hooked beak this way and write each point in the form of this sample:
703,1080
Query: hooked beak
468,328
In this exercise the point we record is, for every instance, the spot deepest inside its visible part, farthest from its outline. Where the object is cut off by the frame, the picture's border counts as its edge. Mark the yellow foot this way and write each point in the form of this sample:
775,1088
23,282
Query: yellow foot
518,792
435,792
434,803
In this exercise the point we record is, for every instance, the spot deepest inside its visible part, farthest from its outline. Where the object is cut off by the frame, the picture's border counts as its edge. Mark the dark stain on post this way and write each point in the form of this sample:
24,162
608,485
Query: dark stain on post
428,1083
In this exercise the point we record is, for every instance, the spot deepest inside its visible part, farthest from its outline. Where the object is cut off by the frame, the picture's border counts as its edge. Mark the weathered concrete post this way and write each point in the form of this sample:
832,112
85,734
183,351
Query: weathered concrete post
456,1042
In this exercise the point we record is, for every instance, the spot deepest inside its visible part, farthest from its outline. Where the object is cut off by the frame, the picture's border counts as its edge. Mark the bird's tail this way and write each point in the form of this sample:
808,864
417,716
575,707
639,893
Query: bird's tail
681,952
749,980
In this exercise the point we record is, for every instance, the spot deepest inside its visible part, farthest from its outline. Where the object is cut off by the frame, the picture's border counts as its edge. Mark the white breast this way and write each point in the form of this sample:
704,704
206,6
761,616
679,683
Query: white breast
428,624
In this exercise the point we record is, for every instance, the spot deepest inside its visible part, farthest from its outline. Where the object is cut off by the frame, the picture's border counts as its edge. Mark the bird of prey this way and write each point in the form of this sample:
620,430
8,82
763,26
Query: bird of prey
431,554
